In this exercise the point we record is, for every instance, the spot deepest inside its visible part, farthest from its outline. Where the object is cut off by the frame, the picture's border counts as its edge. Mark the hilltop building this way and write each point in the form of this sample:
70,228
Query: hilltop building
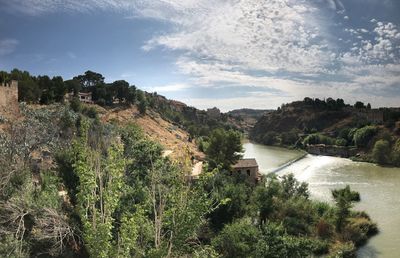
85,97
248,168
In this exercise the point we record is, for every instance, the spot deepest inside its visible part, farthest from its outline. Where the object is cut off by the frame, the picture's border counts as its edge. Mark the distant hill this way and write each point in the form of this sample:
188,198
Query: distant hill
331,123
246,118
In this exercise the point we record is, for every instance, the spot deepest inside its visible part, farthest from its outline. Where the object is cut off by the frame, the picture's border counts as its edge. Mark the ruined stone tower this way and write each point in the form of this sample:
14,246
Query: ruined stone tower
9,99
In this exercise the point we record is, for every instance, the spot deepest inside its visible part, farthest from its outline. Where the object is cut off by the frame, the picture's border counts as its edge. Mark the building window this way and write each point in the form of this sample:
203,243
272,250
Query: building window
248,172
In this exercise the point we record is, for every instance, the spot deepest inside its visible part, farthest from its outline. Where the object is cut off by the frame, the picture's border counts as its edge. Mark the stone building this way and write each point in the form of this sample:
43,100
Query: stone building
248,168
82,96
9,99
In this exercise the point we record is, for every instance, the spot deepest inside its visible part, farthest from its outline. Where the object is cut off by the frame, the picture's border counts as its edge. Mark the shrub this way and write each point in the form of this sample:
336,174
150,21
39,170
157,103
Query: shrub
363,135
90,112
237,240
358,230
269,138
396,153
318,139
381,152
75,105
341,142
323,229
344,250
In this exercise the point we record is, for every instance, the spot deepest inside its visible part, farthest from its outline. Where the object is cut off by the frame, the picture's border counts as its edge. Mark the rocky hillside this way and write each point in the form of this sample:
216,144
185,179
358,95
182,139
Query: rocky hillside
176,141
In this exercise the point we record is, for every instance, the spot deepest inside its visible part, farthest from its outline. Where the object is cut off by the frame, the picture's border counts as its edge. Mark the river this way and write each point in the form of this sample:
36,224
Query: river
379,188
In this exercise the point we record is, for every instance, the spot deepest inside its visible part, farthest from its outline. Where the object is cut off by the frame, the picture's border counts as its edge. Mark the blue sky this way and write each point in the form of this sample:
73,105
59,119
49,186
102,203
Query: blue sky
227,53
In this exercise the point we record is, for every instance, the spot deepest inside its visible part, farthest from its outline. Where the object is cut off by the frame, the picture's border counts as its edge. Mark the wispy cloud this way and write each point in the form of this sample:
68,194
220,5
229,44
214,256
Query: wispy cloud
8,46
287,45
169,88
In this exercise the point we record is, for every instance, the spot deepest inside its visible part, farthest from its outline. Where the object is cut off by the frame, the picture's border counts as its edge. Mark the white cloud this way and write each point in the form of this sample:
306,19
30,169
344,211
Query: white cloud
169,88
280,44
8,46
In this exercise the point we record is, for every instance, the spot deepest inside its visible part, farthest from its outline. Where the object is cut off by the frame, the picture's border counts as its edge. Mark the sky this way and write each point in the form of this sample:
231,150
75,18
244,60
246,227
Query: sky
225,53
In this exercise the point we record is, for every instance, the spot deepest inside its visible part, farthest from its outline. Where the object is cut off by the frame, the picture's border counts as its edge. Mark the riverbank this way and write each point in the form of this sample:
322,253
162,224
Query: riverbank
378,186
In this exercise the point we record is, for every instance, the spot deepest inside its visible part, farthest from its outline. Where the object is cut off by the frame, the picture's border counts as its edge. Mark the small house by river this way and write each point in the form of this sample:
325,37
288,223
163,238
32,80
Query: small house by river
248,168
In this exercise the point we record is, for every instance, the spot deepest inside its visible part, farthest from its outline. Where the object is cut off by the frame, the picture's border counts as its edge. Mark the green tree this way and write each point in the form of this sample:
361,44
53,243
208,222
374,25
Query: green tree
224,148
142,105
121,90
344,199
99,191
396,153
359,105
238,239
89,79
363,135
381,152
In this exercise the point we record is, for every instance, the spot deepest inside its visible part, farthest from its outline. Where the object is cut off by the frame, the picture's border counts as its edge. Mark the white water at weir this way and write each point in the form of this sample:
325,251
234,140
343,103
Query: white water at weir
379,188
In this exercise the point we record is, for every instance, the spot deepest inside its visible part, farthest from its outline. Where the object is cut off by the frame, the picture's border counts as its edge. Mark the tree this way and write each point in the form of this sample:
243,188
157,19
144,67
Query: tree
396,153
369,106
120,90
344,199
363,135
237,240
224,148
131,98
89,79
99,191
359,105
142,102
381,152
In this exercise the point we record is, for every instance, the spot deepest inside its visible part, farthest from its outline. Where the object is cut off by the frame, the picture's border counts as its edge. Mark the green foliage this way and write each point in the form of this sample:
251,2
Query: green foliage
270,138
317,138
293,188
363,135
381,152
224,148
75,105
238,239
275,242
396,153
100,188
344,250
143,104
344,199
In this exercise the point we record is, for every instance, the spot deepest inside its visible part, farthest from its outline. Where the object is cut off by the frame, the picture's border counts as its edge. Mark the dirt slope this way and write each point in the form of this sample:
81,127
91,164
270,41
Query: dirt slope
174,139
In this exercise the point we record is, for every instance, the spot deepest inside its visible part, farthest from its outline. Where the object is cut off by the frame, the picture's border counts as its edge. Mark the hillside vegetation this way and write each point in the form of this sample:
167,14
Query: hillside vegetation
94,181
73,186
359,131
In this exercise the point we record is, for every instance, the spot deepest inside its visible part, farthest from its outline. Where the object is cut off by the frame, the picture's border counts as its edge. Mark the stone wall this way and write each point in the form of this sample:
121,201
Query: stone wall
332,150
9,99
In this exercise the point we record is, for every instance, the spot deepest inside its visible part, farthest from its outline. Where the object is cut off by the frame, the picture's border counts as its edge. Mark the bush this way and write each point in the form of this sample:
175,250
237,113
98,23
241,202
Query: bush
90,112
75,105
381,152
363,135
269,138
341,142
396,153
345,250
237,240
358,230
319,139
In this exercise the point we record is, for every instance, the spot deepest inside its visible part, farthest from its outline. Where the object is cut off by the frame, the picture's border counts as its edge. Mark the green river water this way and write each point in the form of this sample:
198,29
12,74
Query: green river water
379,188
